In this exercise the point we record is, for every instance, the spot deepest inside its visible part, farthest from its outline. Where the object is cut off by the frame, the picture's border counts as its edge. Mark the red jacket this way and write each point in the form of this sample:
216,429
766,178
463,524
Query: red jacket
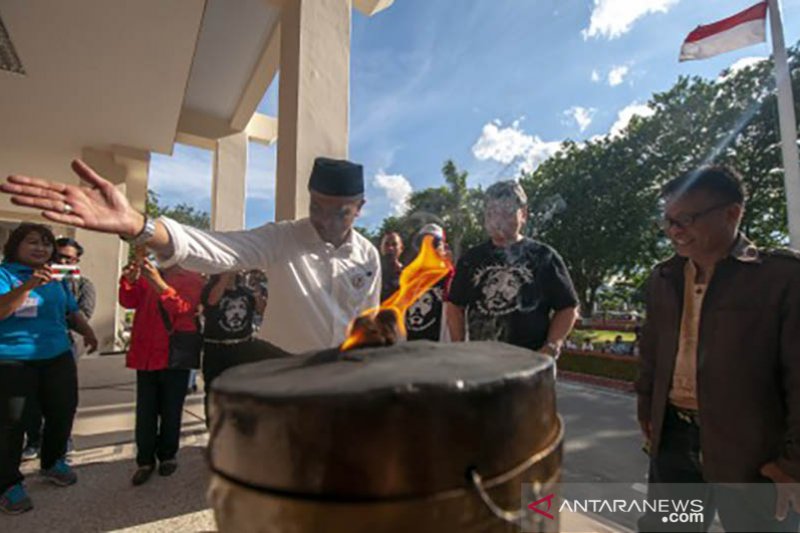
149,348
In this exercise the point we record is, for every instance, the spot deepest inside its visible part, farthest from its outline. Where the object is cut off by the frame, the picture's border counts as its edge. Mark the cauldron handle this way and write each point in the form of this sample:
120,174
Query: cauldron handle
515,517
512,517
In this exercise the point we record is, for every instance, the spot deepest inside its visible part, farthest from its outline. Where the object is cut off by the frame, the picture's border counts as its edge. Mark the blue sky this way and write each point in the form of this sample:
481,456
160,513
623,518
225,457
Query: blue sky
493,84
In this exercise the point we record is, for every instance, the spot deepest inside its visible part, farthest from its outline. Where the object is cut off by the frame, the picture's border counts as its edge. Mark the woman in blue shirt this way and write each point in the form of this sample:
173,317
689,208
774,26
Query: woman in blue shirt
35,360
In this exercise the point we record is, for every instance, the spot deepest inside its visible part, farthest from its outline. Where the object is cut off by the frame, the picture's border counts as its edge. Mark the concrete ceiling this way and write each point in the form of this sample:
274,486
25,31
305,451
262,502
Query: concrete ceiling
98,73
111,73
233,36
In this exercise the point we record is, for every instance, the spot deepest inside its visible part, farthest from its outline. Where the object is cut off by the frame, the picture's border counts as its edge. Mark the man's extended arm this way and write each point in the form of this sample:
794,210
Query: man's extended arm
561,325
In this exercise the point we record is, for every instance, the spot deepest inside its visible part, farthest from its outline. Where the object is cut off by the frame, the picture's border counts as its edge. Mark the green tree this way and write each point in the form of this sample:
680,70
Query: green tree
731,120
596,209
454,206
182,212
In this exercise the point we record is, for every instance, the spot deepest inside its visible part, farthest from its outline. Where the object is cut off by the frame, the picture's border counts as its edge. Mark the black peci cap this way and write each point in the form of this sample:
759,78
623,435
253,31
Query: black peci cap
336,177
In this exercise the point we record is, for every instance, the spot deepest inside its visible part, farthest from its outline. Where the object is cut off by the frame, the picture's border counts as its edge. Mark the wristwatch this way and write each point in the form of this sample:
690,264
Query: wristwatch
147,232
555,347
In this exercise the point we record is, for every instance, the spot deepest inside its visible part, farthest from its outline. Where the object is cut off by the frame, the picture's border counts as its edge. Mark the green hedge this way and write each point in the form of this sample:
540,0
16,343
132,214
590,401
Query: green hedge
596,365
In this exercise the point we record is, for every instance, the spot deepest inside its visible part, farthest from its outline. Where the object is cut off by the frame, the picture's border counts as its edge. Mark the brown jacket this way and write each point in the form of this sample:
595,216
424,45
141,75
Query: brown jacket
748,368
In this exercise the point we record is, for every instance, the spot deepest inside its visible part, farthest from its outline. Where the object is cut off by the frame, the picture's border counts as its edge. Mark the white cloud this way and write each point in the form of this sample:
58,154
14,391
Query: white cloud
617,75
581,115
613,18
183,177
742,64
625,116
511,144
595,76
397,190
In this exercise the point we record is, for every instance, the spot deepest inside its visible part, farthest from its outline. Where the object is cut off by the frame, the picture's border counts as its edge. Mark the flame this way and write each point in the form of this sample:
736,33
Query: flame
376,326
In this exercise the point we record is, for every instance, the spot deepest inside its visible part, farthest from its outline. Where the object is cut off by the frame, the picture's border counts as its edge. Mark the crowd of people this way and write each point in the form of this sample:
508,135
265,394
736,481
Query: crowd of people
179,314
718,391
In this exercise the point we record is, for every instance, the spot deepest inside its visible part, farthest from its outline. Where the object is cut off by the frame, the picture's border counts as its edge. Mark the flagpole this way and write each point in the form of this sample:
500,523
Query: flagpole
787,121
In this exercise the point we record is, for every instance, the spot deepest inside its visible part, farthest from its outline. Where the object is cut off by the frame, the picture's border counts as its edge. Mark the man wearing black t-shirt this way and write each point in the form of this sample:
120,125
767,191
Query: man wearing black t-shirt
425,318
228,307
511,288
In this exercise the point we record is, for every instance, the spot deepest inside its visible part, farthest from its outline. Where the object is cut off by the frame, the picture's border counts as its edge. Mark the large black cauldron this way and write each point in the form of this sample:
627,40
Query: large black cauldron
383,439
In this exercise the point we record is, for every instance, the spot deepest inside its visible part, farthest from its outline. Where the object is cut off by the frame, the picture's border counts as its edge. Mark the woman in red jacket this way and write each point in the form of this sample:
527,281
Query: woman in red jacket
162,299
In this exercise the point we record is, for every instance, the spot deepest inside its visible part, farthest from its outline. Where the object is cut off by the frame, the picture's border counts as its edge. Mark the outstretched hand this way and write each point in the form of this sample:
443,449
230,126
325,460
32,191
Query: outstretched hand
97,206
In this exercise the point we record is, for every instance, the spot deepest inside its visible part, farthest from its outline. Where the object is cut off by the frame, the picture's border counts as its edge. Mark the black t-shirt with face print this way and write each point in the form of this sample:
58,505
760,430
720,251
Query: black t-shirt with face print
424,317
232,317
510,292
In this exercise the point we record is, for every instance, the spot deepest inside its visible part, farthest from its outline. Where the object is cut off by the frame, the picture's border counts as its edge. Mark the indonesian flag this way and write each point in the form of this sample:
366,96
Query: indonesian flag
738,31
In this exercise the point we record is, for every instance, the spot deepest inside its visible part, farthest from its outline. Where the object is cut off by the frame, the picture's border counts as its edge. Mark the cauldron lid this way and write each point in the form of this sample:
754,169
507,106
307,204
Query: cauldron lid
403,367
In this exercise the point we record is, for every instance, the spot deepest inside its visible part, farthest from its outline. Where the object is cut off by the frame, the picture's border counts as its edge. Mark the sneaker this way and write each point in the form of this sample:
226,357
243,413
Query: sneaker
15,500
60,474
142,474
30,453
168,467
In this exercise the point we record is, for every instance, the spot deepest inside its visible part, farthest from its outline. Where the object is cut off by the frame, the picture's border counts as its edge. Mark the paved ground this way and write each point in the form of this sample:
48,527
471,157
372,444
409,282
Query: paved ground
602,444
602,450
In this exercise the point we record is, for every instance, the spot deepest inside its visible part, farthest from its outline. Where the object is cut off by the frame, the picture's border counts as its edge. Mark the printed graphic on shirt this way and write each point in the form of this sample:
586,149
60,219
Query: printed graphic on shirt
499,286
234,313
424,312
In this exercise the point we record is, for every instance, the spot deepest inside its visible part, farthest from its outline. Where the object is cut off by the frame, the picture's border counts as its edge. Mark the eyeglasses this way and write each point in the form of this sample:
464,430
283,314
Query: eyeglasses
67,259
687,219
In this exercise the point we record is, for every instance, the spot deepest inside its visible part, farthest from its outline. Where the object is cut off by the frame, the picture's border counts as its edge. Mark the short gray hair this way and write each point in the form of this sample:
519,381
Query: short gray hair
507,190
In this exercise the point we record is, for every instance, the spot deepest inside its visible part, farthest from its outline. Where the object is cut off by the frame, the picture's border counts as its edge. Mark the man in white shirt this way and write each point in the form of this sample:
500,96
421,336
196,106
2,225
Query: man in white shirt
322,273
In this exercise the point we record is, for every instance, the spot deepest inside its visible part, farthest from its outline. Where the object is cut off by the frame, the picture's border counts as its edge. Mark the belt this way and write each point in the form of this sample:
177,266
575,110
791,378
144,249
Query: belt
228,341
689,416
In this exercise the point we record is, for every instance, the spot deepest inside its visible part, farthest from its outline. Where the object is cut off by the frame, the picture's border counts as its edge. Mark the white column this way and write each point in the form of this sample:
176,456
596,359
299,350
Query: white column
313,95
229,182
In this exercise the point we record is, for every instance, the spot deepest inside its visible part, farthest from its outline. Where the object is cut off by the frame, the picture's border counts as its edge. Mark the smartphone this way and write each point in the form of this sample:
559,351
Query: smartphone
61,272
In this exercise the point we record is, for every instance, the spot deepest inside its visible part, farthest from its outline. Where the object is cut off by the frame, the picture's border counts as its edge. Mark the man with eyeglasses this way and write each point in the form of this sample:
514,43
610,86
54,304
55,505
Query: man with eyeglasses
69,252
719,385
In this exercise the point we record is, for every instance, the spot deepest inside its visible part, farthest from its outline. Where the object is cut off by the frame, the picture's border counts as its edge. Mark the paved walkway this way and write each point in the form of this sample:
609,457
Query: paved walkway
601,445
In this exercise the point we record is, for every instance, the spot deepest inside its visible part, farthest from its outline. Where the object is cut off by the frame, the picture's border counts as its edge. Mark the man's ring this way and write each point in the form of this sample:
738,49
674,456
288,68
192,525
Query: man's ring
67,208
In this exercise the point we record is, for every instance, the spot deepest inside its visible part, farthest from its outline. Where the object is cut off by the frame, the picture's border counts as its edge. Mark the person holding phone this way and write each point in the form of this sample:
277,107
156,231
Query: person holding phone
166,302
35,360
65,270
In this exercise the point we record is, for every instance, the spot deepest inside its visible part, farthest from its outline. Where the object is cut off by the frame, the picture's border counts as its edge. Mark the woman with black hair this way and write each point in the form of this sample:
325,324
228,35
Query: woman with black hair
35,360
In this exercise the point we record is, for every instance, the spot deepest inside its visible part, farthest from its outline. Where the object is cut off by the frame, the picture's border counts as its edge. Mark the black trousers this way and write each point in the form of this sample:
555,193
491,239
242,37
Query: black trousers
217,358
676,474
54,384
33,422
32,417
159,406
